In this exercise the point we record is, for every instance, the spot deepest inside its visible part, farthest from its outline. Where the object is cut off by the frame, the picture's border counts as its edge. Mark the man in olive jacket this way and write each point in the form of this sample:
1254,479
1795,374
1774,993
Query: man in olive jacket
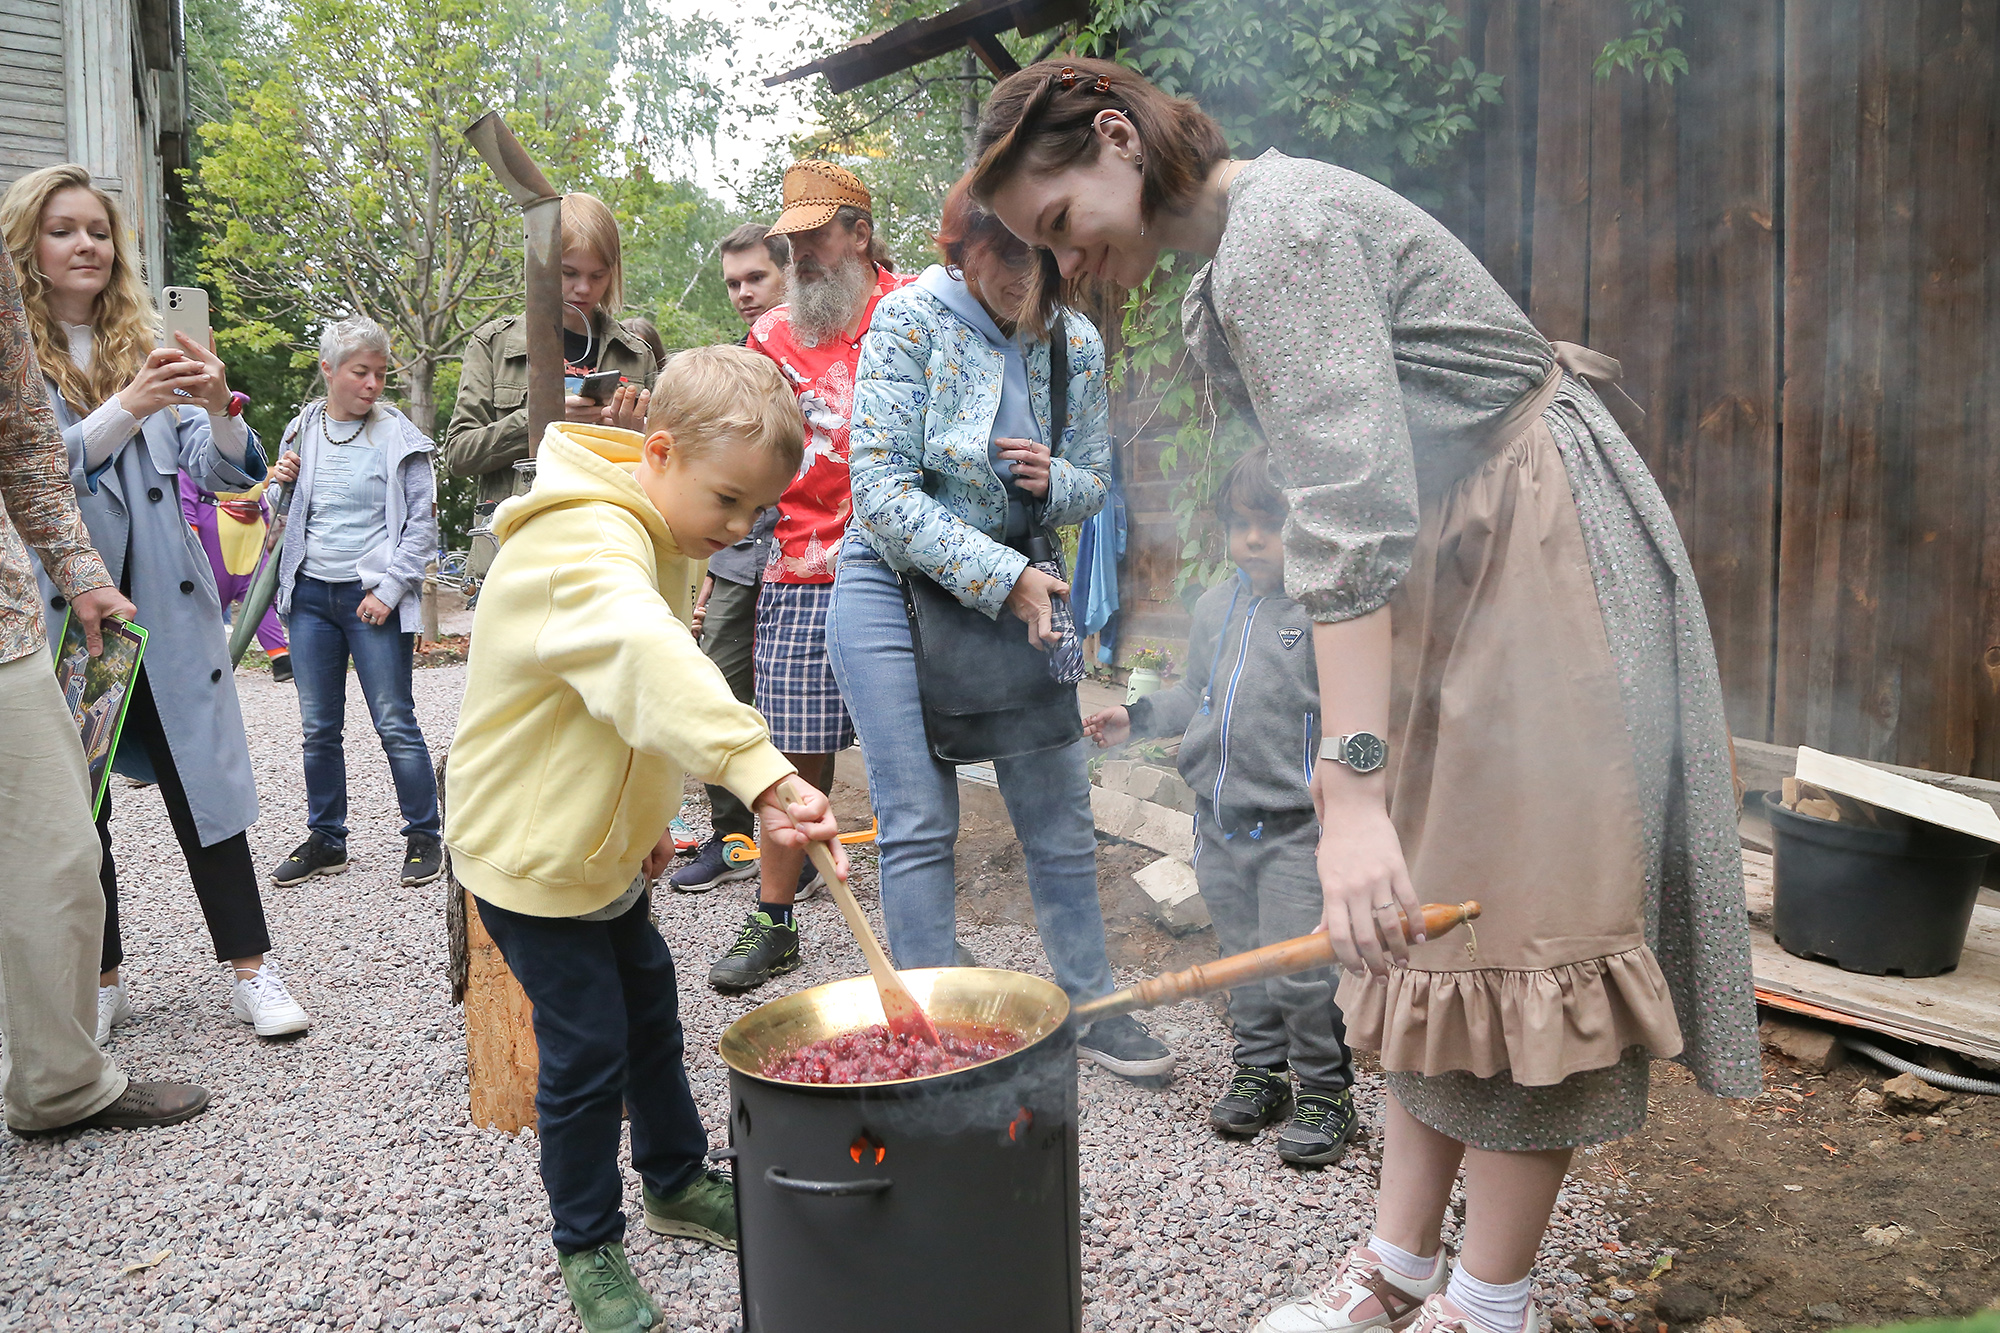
488,433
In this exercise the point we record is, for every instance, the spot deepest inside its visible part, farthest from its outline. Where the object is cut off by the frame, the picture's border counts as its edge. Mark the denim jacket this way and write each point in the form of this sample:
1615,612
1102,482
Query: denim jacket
926,393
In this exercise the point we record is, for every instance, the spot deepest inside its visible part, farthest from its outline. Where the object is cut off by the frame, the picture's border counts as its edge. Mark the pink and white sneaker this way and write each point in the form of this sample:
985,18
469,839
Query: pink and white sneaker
1441,1316
1361,1295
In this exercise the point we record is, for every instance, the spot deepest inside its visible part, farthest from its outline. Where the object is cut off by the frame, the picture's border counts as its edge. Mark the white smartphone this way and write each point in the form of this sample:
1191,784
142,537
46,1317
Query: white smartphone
184,310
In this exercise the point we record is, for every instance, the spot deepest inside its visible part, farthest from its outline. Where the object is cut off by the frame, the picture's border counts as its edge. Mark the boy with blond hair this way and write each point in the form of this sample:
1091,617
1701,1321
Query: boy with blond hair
586,704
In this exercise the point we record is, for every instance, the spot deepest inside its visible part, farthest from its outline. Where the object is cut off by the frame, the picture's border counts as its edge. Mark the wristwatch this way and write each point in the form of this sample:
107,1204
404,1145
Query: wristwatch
1363,751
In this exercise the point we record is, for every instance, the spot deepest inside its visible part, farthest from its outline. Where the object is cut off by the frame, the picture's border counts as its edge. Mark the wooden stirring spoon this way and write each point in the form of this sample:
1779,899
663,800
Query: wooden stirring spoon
905,1017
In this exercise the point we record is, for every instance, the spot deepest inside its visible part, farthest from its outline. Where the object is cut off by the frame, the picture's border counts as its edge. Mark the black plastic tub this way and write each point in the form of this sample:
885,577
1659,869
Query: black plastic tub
1886,901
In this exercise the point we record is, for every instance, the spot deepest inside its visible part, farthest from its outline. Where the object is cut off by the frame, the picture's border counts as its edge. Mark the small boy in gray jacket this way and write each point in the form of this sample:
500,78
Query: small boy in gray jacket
1249,705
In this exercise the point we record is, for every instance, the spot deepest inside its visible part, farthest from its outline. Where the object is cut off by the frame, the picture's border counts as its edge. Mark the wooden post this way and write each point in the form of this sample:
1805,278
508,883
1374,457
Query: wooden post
501,1061
427,602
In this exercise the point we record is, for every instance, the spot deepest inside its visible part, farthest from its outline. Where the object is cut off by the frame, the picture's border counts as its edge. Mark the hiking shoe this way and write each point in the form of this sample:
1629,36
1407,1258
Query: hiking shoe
423,858
314,856
711,866
1362,1295
262,1001
114,1006
763,949
607,1297
281,668
1125,1048
1256,1097
148,1106
1321,1125
704,1211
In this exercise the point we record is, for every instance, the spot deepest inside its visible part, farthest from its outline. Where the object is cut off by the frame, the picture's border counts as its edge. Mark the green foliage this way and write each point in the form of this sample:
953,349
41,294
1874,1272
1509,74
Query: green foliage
1378,86
1644,50
337,178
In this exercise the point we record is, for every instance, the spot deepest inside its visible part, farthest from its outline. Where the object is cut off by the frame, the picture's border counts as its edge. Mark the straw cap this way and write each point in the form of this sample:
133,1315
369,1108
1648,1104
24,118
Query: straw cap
814,192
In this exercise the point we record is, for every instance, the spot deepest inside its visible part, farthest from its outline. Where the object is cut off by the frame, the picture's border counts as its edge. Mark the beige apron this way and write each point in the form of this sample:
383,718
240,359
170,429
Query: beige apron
1512,780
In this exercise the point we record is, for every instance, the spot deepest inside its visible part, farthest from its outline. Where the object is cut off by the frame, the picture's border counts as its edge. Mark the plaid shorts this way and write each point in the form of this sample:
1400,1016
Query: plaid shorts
796,692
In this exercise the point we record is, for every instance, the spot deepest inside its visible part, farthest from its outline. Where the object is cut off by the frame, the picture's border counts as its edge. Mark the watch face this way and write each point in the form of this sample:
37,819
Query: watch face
1366,752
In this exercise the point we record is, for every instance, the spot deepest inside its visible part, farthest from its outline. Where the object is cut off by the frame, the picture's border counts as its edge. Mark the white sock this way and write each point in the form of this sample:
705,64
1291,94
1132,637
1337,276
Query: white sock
1502,1309
1402,1263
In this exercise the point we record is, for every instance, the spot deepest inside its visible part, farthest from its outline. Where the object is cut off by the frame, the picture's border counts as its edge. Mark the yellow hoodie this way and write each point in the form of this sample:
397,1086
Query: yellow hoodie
587,697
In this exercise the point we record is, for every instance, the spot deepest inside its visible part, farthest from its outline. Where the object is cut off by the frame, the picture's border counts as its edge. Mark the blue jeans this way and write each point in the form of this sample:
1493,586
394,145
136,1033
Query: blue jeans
326,629
608,1029
916,796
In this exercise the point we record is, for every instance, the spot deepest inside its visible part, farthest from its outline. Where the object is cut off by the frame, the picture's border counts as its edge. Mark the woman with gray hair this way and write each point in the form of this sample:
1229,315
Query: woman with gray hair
363,525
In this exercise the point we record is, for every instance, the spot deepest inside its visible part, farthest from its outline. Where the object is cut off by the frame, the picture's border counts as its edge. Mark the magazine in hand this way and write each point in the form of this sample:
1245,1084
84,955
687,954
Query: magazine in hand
98,691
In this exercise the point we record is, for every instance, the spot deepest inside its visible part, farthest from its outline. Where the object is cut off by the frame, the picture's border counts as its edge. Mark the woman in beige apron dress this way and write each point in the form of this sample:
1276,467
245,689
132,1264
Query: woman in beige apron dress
1501,597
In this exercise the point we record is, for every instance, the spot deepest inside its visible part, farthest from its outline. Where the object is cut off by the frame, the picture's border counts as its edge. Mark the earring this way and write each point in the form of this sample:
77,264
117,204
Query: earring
1139,161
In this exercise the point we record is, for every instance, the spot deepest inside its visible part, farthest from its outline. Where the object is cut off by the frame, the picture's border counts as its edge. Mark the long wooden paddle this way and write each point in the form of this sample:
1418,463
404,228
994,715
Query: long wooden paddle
1273,960
906,1018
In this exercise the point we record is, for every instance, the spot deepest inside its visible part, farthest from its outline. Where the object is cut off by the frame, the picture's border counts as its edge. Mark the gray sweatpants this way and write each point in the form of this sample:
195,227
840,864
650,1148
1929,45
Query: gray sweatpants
1260,890
51,910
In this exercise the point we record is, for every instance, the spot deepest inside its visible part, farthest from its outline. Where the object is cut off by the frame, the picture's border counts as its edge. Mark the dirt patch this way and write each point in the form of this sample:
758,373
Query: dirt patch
1802,1210
446,651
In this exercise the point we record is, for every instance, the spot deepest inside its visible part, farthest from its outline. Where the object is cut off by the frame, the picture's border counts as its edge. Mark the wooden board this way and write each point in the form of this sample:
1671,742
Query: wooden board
501,1060
1959,1011
1918,800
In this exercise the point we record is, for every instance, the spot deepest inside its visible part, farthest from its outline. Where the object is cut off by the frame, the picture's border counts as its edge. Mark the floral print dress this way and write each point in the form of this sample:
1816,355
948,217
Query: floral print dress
1558,747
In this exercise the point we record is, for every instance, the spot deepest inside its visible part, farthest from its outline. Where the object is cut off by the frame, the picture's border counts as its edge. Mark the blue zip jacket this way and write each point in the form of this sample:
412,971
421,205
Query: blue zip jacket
1248,702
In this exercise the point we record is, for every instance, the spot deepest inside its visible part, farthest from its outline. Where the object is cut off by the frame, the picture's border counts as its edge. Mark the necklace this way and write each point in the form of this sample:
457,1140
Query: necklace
326,425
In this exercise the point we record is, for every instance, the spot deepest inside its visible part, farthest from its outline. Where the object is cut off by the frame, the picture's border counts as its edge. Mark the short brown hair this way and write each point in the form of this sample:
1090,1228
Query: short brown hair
727,395
1043,119
1248,487
967,227
587,224
753,234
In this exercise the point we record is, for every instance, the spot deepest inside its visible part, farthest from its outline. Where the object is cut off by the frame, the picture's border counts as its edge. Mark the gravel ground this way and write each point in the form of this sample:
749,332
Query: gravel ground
335,1182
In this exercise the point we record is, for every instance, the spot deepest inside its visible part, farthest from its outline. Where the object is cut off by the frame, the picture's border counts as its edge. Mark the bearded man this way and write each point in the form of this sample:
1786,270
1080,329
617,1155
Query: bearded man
840,269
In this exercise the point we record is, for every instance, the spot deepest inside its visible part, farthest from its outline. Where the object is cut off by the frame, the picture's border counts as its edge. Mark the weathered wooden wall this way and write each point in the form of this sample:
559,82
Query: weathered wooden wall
1787,249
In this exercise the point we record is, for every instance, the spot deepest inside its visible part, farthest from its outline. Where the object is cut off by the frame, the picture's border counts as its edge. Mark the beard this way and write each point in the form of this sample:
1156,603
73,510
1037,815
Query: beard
824,301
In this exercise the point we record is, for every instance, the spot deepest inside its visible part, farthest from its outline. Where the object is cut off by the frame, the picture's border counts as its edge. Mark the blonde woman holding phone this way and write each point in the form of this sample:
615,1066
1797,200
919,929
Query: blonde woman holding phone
134,417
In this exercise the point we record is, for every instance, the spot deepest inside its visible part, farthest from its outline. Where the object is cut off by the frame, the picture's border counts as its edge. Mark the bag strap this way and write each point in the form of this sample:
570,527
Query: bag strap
1058,383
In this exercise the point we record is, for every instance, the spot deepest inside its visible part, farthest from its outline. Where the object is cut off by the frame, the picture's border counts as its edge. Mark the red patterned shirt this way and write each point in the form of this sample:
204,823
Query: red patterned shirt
814,509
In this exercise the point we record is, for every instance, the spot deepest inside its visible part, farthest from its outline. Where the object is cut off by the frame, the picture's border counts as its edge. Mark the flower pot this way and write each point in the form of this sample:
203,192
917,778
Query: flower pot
1141,682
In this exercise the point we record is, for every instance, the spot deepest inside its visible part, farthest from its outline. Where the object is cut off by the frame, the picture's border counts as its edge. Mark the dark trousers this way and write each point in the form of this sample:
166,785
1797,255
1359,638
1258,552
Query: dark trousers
607,1022
725,636
1259,879
225,883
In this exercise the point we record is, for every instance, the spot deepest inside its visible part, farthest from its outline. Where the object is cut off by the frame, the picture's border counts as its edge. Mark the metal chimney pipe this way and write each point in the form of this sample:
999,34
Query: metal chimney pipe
541,216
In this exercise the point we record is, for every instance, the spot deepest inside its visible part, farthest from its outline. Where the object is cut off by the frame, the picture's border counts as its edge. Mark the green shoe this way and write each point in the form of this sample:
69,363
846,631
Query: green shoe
704,1211
763,949
608,1298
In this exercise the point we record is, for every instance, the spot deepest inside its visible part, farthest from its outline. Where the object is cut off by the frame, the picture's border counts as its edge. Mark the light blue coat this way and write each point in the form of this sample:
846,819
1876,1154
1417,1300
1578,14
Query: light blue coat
393,571
133,510
926,394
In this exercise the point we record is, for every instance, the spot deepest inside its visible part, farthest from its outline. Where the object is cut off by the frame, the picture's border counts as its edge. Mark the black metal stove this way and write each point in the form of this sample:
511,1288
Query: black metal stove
947,1202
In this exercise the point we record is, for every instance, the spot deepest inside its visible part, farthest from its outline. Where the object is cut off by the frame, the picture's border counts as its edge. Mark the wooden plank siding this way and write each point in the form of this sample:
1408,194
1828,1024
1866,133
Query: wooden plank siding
1787,248
34,120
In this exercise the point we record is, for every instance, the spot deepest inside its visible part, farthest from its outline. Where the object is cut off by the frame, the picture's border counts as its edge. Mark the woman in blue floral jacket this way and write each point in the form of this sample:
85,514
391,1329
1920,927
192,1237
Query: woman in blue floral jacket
950,448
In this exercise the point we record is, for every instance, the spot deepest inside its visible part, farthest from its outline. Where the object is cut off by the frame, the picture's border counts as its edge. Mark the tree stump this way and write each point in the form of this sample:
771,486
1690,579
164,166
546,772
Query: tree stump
500,1056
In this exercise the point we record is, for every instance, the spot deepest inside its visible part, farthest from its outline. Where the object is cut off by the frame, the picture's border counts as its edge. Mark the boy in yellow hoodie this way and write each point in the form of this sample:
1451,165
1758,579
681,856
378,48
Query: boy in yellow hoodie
586,703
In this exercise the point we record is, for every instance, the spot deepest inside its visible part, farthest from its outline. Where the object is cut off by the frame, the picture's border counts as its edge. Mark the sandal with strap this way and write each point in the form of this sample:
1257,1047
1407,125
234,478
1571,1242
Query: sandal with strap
1358,1279
1441,1316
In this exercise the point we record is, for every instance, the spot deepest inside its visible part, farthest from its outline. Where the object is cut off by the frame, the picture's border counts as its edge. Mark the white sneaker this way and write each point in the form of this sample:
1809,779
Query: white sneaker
114,1006
1439,1315
1358,1280
263,1002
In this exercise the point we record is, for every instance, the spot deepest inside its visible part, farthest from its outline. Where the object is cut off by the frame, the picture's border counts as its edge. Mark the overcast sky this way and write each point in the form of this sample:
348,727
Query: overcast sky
768,40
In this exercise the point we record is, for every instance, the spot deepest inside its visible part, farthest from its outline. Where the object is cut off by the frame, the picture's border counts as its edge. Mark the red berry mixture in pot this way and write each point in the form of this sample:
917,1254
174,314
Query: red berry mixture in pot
877,1055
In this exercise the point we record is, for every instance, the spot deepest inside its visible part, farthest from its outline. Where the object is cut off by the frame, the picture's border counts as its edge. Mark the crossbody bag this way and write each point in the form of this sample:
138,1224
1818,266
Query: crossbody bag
986,691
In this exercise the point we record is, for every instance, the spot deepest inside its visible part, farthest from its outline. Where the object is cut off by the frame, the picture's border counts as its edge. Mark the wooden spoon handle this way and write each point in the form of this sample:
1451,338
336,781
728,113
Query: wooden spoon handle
899,1007
1302,954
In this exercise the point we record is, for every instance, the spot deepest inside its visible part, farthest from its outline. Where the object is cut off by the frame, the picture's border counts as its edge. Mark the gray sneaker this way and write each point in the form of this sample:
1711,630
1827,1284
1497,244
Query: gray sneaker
1321,1126
1256,1097
1122,1045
